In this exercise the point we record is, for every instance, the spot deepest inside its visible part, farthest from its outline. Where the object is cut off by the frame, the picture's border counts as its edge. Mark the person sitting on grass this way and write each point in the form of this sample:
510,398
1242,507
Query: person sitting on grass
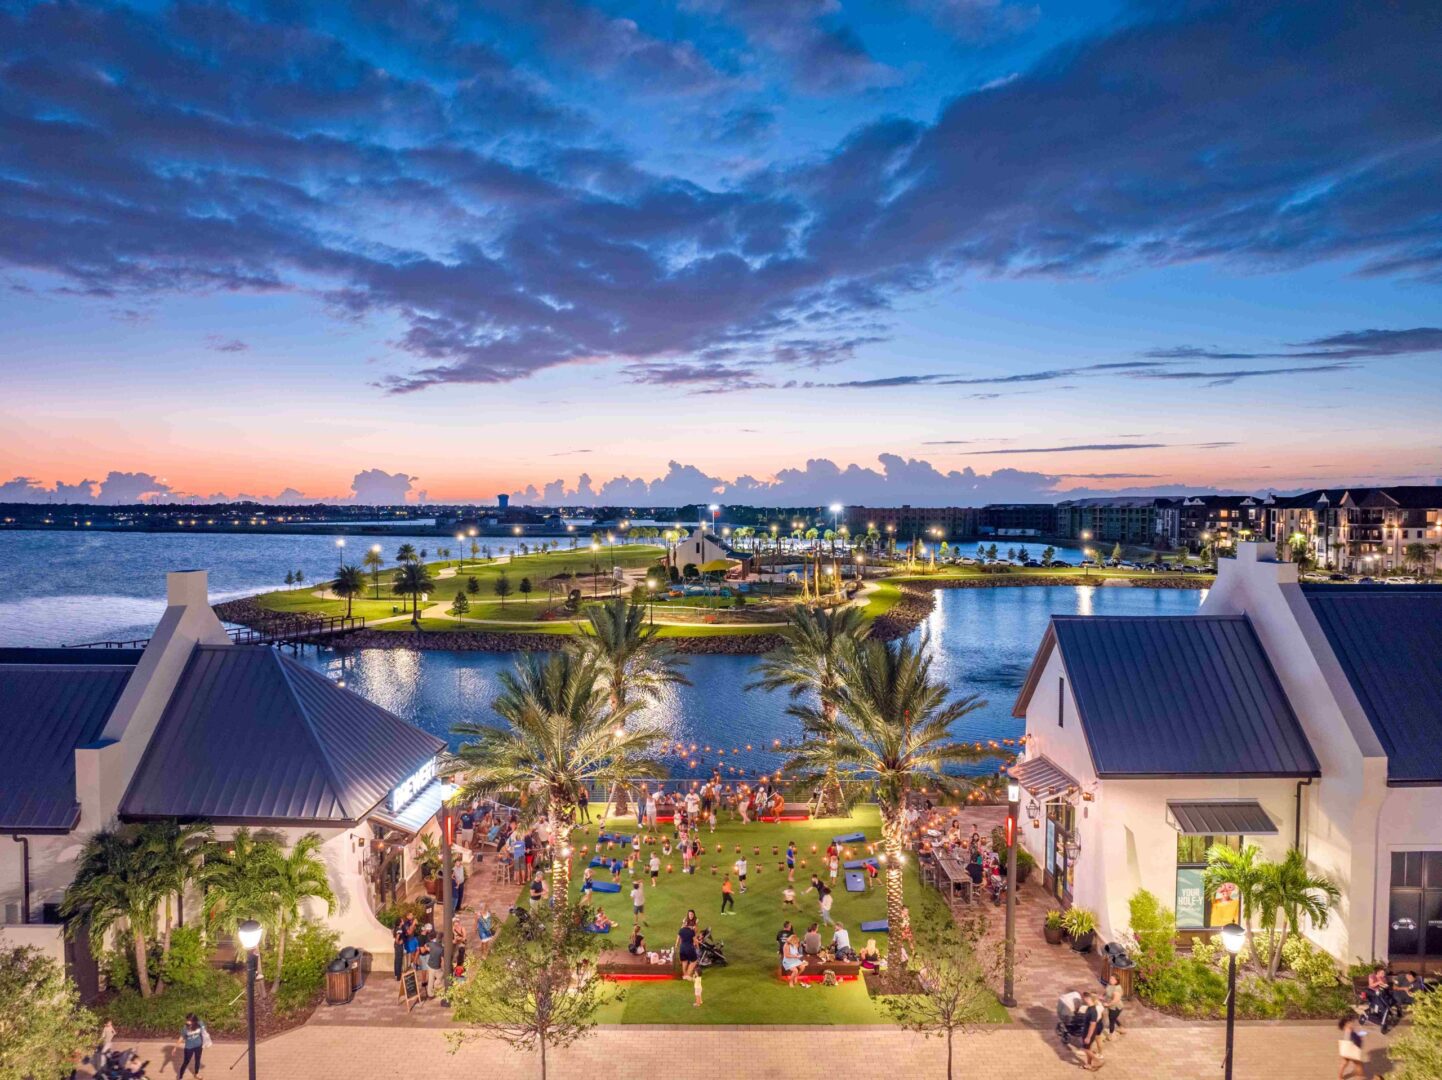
601,924
788,897
792,961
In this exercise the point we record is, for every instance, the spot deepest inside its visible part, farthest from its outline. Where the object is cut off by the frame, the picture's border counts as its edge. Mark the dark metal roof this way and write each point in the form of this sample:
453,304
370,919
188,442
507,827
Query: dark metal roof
1186,695
252,736
1042,776
1388,639
1222,817
46,711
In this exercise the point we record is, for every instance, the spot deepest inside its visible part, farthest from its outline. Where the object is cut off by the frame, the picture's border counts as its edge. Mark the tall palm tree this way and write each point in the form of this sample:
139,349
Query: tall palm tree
631,661
406,553
115,884
350,582
1288,892
1242,868
374,560
414,580
809,661
559,734
174,852
290,879
893,726
234,876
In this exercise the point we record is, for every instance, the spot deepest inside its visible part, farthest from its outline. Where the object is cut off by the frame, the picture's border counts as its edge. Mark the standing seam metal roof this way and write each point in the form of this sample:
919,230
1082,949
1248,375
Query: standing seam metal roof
251,735
1388,640
1188,695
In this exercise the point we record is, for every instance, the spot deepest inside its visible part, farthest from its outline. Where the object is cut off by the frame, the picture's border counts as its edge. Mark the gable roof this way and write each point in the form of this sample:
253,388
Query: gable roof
251,736
1388,639
1184,695
47,709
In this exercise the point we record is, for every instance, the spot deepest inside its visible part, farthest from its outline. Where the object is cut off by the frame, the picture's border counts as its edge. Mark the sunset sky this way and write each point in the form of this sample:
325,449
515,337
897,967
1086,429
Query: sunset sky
950,251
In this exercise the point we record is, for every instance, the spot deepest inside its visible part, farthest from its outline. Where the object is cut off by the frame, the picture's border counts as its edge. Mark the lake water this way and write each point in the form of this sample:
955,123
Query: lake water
67,587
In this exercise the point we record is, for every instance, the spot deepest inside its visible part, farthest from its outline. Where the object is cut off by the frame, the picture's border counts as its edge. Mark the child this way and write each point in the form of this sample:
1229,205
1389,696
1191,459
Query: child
835,866
615,870
788,897
685,858
791,861
872,872
696,984
741,872
655,868
727,900
638,901
586,881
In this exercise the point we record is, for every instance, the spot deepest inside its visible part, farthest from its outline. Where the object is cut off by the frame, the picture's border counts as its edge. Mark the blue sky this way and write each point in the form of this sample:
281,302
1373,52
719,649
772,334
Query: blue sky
928,251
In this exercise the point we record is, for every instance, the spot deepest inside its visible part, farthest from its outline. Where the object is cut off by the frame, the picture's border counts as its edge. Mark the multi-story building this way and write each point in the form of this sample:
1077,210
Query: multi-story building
1017,519
909,522
1361,529
1225,519
1143,519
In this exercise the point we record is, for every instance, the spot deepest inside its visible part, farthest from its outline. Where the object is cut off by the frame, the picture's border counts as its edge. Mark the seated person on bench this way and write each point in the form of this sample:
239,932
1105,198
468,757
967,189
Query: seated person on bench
840,943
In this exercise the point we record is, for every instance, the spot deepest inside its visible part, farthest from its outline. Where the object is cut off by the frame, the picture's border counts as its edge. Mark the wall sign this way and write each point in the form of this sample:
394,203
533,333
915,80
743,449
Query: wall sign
1191,899
408,788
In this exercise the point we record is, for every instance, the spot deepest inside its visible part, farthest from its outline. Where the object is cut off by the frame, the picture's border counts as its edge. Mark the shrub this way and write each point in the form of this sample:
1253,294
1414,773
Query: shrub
1308,963
118,962
391,915
218,999
186,965
1417,1052
1053,920
1186,986
1155,928
311,947
1025,864
1078,922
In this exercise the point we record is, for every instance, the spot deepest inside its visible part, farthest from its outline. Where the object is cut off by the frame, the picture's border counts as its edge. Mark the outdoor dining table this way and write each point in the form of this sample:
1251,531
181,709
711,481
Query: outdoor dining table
953,869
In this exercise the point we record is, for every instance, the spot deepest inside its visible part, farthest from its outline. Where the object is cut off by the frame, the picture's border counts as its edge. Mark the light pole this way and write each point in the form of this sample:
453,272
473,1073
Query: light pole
1087,553
714,511
447,897
376,569
835,524
249,934
460,549
1013,798
340,553
1233,938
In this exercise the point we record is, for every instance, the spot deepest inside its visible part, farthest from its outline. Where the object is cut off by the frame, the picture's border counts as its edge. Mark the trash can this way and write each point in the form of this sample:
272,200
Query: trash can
352,957
337,983
1116,962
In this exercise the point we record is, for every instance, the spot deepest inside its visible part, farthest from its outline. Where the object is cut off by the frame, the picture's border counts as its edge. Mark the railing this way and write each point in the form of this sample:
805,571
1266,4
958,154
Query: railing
281,630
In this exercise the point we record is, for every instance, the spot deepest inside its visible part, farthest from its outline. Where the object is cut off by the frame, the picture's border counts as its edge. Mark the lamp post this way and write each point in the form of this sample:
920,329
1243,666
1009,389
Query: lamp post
1233,938
340,553
460,549
1013,799
835,524
714,511
447,897
249,934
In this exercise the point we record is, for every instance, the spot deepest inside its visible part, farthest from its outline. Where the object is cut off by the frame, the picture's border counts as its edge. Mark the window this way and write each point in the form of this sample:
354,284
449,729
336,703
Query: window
1195,911
1061,703
1414,910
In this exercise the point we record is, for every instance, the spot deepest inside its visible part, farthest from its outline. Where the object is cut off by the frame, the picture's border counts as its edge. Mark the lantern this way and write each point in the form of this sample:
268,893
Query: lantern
669,868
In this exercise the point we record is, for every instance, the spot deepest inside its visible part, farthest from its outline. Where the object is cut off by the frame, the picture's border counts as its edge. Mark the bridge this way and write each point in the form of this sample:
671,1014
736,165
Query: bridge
294,631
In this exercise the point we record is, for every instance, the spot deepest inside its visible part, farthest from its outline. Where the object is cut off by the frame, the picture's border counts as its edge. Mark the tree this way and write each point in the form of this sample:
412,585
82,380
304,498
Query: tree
459,606
1416,1053
537,990
1048,553
290,577
1288,892
814,644
300,577
525,588
173,852
954,977
421,557
501,586
1021,552
893,726
991,553
475,549
350,582
559,734
414,580
1116,556
290,879
473,585
1416,555
42,1025
1241,868
405,553
115,884
373,561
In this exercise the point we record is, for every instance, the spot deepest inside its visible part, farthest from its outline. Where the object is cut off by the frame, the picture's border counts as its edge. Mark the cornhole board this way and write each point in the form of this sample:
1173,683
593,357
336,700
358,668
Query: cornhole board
785,817
603,863
612,838
605,886
876,926
854,883
857,864
849,838
593,930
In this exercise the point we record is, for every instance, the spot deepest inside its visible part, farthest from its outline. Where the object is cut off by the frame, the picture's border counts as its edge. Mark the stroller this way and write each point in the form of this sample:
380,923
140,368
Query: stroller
120,1065
709,951
1071,1021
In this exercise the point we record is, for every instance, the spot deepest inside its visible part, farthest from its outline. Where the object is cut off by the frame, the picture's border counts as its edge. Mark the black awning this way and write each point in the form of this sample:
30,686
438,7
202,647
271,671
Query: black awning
1042,776
1221,817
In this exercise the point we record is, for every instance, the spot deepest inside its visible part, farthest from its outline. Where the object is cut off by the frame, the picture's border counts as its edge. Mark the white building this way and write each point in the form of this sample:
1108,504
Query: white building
1282,714
702,547
196,728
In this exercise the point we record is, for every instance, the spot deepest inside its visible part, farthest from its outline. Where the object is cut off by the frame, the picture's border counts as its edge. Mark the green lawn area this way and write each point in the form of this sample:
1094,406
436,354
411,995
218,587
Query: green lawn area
748,990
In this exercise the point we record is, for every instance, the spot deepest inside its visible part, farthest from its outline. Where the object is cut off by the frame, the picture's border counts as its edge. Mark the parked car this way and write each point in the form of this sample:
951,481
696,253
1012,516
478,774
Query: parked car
1337,576
1033,563
1402,581
1059,564
1366,581
1089,562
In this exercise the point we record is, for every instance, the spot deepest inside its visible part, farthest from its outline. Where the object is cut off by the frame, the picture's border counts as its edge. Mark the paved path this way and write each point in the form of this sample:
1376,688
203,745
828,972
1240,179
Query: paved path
1264,1052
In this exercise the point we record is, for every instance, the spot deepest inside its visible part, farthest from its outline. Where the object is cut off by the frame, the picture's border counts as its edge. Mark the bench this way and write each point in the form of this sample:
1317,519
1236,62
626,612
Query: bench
622,966
790,812
815,969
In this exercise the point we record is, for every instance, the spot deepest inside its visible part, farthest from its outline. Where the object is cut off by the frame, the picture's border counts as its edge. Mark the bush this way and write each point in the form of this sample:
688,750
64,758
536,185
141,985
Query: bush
1025,864
118,962
1185,986
187,963
1155,928
311,947
1308,963
391,915
1417,1052
218,999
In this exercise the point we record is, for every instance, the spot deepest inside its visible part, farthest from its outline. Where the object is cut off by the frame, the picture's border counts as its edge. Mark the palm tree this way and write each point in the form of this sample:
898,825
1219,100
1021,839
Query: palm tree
893,726
559,735
1242,868
234,879
809,661
114,884
174,853
631,661
291,879
1288,891
350,582
374,560
406,553
414,580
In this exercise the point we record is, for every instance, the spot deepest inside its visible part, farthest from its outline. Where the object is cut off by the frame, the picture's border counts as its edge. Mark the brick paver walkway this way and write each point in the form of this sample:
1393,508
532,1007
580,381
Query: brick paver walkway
1264,1052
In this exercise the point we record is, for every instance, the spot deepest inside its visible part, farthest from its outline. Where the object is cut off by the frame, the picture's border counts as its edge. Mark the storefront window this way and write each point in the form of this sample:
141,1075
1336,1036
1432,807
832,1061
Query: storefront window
1195,911
1414,911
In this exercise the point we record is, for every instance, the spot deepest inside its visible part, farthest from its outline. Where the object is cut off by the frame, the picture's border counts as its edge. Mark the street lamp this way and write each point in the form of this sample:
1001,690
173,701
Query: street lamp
1233,938
249,934
461,549
714,511
1013,798
835,520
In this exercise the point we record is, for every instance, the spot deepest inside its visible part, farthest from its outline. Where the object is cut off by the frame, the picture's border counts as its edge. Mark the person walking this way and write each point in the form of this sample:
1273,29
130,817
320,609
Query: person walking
485,929
826,907
583,806
1112,1002
458,885
638,901
741,868
1091,1010
727,900
538,889
791,861
193,1037
1349,1048
686,949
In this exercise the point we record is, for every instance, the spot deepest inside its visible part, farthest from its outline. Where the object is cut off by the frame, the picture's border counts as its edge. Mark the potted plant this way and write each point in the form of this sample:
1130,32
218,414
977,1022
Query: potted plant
1052,928
1080,925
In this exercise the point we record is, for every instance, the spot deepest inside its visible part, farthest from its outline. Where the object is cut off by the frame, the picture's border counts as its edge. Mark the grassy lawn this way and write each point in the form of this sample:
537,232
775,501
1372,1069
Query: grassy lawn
748,990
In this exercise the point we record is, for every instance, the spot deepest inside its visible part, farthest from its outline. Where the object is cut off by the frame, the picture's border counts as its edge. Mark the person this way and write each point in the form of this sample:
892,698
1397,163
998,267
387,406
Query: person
107,1039
458,944
834,865
637,945
788,897
696,984
538,888
458,885
583,806
398,943
840,941
1112,1002
826,899
1379,991
1349,1048
1093,1014
686,949
870,955
615,871
792,960
191,1042
413,947
435,968
468,827
781,935
485,929
727,900
655,868
741,871
811,943
791,861
602,922
638,900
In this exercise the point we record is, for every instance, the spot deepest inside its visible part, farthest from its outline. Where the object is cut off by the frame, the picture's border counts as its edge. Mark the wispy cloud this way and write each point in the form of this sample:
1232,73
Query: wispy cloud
1073,449
1226,378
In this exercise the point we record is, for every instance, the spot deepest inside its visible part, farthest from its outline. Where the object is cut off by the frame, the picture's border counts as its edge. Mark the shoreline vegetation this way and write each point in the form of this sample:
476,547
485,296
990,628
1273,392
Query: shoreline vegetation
504,615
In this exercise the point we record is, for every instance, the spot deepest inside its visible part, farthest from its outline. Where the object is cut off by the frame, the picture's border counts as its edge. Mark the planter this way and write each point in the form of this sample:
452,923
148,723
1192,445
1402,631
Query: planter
1082,943
1052,934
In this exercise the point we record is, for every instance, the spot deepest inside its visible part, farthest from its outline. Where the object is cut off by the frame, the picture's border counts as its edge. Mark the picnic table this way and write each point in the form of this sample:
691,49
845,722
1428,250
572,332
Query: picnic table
951,869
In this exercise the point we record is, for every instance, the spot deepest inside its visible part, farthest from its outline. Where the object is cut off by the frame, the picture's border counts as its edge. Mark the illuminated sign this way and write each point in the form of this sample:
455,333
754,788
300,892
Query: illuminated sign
410,787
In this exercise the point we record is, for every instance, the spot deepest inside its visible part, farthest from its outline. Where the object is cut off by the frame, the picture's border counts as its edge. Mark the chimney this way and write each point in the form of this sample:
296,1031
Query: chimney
187,588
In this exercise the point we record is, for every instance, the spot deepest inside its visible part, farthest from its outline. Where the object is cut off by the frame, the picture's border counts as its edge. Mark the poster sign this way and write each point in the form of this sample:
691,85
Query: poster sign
1191,899
1227,905
1050,846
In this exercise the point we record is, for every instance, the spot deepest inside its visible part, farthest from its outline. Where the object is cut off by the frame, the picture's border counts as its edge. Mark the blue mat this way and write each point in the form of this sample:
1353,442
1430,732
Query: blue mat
605,863
612,838
854,882
849,838
593,930
857,864
877,926
605,886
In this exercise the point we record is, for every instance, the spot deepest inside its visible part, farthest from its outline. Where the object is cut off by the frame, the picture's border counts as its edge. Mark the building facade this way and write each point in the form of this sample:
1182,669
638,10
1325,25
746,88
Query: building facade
1362,530
1283,715
908,522
1035,520
1143,520
1224,520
